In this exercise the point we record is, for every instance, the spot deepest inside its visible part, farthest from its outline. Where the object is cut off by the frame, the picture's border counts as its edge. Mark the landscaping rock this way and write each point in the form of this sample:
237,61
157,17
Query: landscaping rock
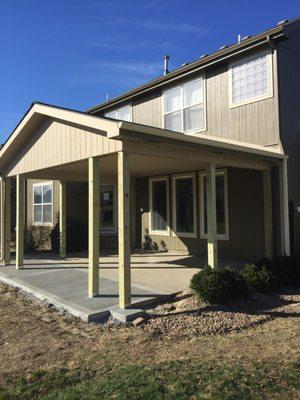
138,321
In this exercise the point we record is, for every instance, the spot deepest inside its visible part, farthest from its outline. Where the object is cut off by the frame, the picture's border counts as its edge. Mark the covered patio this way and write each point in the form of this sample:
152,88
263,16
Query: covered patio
64,145
63,283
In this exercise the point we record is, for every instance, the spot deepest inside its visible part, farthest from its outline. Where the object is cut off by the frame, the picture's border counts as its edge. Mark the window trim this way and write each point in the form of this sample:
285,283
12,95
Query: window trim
257,98
113,230
190,131
164,178
36,223
201,192
116,110
174,231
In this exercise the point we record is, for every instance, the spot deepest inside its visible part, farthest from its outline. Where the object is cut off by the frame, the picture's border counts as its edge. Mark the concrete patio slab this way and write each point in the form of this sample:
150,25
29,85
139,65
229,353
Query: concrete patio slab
63,283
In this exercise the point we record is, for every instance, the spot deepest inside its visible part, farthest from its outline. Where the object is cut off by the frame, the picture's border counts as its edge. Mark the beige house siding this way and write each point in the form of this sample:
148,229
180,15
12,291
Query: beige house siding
289,90
56,142
255,123
246,229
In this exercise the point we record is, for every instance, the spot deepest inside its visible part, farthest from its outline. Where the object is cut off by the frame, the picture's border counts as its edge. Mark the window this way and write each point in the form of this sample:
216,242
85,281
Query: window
184,107
159,206
122,113
107,208
251,79
184,205
42,203
222,205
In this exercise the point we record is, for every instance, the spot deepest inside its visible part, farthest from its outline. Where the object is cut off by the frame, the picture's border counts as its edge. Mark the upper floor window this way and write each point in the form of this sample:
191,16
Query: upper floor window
251,79
122,113
42,203
184,107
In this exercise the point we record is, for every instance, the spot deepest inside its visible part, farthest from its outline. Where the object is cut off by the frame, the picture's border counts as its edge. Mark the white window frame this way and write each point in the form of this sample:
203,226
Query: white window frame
270,83
151,230
112,230
203,235
37,223
182,108
174,231
116,110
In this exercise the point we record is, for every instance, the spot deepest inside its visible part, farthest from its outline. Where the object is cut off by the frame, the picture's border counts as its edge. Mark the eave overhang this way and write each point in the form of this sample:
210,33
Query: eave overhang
266,38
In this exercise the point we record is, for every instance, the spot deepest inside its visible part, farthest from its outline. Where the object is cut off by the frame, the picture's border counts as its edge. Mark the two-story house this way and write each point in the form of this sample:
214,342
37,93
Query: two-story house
204,159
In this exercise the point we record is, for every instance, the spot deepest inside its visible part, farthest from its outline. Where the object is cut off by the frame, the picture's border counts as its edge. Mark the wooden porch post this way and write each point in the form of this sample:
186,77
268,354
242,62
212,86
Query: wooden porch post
62,219
5,220
284,208
20,216
124,230
212,246
268,214
94,221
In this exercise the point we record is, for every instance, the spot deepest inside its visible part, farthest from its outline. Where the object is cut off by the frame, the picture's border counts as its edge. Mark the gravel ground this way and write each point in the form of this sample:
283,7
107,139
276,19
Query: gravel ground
187,316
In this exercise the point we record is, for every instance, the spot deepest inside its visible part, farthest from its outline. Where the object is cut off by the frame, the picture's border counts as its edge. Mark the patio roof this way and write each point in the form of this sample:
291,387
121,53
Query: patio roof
115,132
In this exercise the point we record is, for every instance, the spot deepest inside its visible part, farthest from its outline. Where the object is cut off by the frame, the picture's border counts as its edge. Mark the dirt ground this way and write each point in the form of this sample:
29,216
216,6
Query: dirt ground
34,336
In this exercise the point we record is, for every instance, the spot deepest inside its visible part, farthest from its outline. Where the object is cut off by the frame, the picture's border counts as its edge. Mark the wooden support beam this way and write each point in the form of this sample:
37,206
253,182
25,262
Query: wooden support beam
268,213
5,220
212,245
94,221
124,230
284,208
62,219
20,220
2,218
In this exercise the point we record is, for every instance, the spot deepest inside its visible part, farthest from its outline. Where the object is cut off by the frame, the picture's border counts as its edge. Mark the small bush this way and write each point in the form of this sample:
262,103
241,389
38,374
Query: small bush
288,269
221,285
36,237
260,279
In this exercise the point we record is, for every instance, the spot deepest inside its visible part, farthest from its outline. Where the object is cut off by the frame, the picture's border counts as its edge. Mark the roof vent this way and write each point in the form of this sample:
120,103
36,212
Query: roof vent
203,56
246,37
284,21
223,47
184,64
166,64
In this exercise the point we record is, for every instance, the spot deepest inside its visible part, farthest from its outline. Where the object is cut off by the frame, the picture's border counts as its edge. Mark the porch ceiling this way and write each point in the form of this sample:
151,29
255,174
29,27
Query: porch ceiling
140,165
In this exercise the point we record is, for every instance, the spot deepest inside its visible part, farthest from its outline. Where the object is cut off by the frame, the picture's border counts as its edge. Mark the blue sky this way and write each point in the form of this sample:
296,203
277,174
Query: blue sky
73,53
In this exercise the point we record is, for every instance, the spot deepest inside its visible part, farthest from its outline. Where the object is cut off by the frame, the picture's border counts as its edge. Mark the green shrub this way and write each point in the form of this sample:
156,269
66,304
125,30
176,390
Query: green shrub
288,269
260,279
221,285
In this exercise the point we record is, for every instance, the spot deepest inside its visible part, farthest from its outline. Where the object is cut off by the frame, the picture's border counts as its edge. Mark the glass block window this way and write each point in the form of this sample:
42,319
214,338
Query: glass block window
250,78
107,208
184,107
122,113
159,205
184,202
42,203
221,203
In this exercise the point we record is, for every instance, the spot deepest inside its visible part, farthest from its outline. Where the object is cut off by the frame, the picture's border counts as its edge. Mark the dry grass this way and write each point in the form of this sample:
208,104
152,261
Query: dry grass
33,337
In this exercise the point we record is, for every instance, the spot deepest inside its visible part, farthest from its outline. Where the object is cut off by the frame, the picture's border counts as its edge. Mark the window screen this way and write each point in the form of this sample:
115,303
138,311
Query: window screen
159,205
184,205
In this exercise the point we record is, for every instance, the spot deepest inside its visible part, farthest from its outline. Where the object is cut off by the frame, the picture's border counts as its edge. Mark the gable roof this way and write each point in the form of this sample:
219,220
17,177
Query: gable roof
265,38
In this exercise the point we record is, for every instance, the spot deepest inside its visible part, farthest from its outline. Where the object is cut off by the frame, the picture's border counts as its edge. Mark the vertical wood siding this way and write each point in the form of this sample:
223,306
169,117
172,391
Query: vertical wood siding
57,142
289,92
246,226
256,123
